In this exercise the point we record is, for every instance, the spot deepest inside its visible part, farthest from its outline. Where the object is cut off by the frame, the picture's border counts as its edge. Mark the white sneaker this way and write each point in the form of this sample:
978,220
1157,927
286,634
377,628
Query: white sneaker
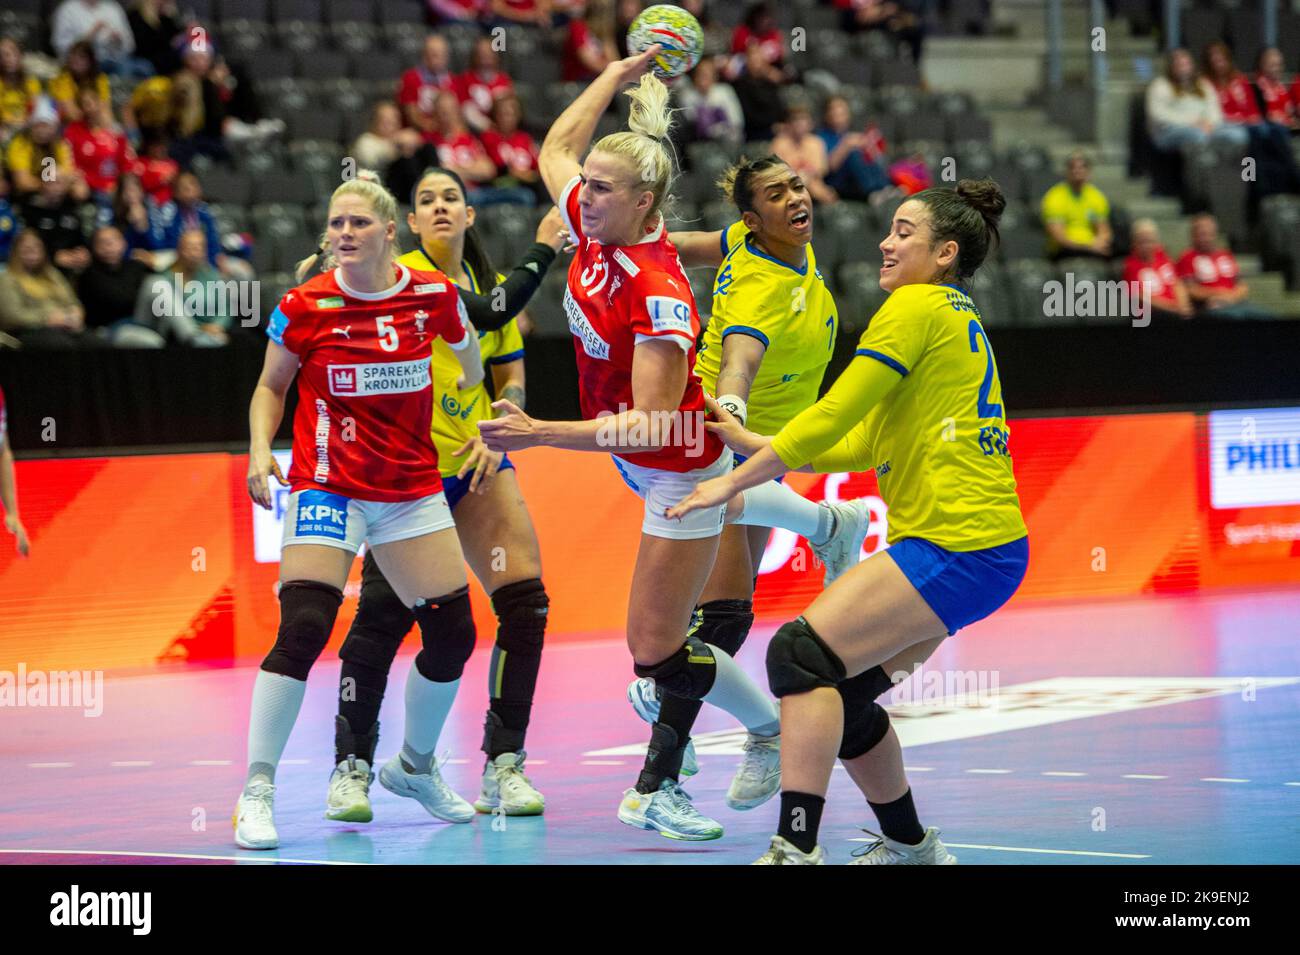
885,851
644,697
253,819
505,787
844,548
428,789
668,811
781,852
759,777
349,793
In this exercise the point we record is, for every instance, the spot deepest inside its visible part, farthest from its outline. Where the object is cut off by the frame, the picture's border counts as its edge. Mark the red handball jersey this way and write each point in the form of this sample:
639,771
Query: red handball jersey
1159,275
365,397
102,155
618,297
1216,269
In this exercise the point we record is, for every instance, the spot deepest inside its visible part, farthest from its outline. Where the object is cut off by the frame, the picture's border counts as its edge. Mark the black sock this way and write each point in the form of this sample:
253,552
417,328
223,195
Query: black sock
898,819
801,817
663,759
678,713
514,723
361,691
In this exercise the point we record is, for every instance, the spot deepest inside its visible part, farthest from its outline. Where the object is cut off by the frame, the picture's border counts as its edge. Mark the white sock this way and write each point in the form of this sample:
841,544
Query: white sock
775,505
427,706
276,701
734,692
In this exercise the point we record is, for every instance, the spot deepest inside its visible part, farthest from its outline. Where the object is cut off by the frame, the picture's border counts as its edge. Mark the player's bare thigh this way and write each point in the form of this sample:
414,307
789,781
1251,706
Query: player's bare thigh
739,551
666,585
430,565
497,535
319,562
872,614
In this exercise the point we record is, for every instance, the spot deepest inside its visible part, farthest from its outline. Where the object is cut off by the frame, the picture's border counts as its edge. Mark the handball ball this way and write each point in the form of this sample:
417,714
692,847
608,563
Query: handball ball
675,30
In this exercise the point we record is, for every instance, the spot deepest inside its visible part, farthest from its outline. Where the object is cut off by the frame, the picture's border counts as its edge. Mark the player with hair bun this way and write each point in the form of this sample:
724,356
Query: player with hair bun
958,543
364,471
634,322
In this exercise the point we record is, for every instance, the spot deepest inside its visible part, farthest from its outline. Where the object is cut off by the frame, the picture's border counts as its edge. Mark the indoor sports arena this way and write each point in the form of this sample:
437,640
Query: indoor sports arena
973,326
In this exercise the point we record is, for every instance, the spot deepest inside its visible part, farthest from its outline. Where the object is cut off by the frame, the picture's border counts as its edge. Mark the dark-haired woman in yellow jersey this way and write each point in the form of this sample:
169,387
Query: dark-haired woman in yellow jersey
921,404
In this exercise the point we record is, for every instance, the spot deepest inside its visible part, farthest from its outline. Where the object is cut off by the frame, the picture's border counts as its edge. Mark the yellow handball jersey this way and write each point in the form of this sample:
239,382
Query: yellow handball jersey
921,404
789,310
456,413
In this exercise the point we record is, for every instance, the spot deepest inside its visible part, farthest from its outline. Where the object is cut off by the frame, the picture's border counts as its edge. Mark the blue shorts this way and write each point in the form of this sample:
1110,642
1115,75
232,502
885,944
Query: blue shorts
741,459
962,586
455,488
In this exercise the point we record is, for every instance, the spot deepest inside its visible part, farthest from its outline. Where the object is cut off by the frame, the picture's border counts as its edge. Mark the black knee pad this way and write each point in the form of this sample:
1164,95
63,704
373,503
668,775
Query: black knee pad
723,623
447,632
689,672
307,612
381,623
861,691
521,609
863,729
799,661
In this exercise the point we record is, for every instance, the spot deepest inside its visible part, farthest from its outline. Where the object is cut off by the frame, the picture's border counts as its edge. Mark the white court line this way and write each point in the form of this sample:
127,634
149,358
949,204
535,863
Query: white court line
1222,779
918,769
210,762
537,762
1054,852
125,763
1142,776
1061,773
604,762
990,772
48,765
456,762
1291,784
249,857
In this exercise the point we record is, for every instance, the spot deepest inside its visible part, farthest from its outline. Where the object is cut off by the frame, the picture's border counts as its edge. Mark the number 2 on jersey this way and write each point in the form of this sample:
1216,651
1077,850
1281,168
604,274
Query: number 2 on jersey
986,410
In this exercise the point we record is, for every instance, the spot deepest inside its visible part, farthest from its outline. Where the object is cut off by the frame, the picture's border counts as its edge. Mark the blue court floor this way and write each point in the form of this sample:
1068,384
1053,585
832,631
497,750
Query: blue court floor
1155,730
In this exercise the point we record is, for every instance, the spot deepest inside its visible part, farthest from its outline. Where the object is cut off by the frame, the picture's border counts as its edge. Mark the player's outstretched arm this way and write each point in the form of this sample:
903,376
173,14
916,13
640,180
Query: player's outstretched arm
698,249
741,357
471,360
9,497
265,412
560,157
493,311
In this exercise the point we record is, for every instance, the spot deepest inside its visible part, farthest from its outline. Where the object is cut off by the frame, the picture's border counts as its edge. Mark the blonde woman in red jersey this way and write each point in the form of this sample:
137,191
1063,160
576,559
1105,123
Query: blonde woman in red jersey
634,322
364,469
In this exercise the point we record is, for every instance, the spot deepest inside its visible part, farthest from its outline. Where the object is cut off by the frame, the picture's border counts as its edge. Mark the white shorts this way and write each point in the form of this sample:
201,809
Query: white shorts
662,489
320,517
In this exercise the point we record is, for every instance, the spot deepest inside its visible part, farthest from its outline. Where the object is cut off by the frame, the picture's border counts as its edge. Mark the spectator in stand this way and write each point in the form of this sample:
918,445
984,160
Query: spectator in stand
133,214
513,150
1277,102
717,38
1076,214
457,11
100,151
198,112
27,154
1183,108
19,90
150,110
1269,143
759,90
197,320
853,158
1212,275
1148,269
529,13
904,20
482,84
109,289
385,139
420,85
804,152
462,152
8,219
187,212
711,107
61,220
625,11
80,72
157,169
589,44
155,25
101,23
37,304
759,26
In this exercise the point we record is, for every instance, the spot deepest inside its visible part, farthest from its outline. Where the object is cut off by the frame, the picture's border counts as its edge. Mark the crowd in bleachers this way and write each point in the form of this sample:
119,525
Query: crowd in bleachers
201,141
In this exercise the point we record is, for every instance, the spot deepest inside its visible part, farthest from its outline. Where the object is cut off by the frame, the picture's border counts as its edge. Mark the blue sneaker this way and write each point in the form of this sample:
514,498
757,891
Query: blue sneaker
644,697
669,812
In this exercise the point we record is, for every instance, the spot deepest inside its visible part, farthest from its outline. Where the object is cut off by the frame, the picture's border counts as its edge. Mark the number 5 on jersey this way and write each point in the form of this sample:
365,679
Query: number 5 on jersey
386,332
